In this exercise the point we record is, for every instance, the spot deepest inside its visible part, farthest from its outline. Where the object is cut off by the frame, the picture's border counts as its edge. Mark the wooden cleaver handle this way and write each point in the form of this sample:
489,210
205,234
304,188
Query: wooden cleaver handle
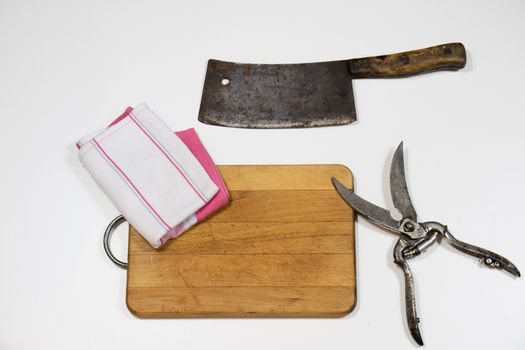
450,56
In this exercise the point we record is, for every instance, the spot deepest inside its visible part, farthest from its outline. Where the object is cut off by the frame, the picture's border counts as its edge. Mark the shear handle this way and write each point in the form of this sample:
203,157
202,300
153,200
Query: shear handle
410,298
490,259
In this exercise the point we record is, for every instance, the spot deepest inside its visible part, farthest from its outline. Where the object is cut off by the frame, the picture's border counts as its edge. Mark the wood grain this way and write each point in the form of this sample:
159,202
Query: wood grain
450,56
283,247
254,270
256,238
241,301
284,177
284,206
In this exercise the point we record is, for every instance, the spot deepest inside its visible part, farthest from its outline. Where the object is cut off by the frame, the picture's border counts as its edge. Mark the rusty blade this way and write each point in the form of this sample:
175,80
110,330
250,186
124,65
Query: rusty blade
277,95
398,186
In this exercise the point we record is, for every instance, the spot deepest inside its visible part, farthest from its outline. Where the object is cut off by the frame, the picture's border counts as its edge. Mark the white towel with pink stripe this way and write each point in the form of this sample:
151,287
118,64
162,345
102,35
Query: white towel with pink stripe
148,173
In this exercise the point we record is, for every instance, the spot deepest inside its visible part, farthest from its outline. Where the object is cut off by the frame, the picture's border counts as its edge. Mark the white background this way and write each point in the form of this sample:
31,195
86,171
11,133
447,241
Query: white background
69,67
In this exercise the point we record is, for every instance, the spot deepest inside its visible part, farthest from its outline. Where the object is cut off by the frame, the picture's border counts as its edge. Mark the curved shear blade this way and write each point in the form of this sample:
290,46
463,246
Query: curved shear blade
398,186
377,215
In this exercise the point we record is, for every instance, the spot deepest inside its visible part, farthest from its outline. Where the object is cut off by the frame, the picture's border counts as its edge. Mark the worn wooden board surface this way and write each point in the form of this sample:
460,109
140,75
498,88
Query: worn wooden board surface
284,246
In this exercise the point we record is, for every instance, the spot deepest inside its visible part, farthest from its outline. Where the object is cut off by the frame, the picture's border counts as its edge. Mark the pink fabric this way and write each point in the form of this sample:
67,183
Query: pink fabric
170,159
190,138
194,144
130,183
192,141
122,116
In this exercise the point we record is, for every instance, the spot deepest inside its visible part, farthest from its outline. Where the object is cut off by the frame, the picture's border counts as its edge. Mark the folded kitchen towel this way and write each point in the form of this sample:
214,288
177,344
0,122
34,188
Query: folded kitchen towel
149,174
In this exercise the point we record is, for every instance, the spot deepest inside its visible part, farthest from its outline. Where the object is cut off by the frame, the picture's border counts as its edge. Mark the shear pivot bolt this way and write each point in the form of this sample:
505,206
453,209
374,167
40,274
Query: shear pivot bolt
408,227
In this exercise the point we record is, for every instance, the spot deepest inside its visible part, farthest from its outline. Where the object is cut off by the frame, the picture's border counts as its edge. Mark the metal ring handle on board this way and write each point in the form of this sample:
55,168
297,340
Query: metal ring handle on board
107,235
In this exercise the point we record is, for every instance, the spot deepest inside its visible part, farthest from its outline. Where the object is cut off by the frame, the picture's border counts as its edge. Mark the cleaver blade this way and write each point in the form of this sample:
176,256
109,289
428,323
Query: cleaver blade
265,96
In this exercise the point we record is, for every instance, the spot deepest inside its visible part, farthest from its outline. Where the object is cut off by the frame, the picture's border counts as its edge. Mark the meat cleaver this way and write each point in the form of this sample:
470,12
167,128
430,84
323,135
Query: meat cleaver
307,94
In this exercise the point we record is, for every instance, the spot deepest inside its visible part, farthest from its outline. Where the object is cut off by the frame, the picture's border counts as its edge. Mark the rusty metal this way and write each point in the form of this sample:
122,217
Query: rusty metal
277,95
415,237
307,94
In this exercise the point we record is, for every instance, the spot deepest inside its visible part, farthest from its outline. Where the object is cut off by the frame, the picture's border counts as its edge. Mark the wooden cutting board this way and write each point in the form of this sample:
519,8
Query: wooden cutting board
283,247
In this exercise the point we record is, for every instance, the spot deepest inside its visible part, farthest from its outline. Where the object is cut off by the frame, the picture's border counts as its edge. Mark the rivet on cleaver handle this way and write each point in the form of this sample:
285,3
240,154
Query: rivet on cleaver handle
306,94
